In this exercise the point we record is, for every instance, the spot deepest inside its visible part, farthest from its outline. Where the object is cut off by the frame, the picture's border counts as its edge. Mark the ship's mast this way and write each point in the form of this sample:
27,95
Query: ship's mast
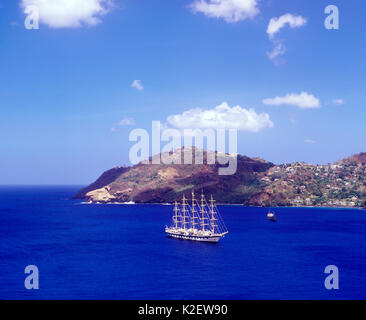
184,212
193,212
212,201
203,224
176,214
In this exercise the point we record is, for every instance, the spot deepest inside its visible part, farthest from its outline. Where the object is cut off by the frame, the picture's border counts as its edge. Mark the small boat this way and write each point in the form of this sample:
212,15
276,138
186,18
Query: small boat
271,216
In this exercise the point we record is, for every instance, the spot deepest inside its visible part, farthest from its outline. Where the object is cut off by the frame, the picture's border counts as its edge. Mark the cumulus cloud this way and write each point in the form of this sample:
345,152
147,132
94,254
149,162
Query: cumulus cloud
137,85
276,24
126,121
70,13
221,117
229,10
303,100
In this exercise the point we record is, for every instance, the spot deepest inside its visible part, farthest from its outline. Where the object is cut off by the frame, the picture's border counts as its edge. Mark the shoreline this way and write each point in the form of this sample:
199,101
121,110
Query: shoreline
223,204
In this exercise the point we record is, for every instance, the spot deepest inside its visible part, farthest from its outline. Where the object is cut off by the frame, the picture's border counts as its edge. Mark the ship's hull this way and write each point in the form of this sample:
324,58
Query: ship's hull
200,238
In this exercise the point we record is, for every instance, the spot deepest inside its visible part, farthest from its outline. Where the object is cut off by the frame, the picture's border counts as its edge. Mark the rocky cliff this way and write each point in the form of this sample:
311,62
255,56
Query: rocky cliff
160,183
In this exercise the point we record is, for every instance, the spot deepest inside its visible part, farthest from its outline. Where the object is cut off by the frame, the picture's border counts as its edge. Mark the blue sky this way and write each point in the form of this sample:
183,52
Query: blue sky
63,88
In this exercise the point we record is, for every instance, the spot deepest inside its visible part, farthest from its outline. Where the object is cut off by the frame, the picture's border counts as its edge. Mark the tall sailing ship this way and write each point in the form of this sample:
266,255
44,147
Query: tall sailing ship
197,221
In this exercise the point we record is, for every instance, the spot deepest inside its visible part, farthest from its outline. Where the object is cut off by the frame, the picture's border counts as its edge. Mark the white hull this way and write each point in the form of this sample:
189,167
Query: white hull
200,238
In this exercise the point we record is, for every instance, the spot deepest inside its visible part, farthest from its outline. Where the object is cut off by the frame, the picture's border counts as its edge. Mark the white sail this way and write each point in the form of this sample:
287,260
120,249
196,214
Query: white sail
198,220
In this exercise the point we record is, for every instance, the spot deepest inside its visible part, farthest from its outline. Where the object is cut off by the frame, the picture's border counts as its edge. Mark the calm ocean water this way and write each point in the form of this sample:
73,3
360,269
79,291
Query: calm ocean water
121,252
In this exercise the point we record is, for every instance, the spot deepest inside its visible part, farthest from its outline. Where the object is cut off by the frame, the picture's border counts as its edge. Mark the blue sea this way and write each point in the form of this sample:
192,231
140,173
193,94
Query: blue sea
107,251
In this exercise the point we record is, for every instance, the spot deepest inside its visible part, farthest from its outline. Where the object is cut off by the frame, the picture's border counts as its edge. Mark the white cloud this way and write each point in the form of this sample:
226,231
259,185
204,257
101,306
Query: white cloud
278,50
229,10
126,121
70,13
338,102
276,24
303,100
137,85
221,117
309,141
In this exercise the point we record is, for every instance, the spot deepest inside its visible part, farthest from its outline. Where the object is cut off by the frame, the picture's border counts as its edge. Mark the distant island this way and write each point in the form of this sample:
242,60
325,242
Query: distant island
256,183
